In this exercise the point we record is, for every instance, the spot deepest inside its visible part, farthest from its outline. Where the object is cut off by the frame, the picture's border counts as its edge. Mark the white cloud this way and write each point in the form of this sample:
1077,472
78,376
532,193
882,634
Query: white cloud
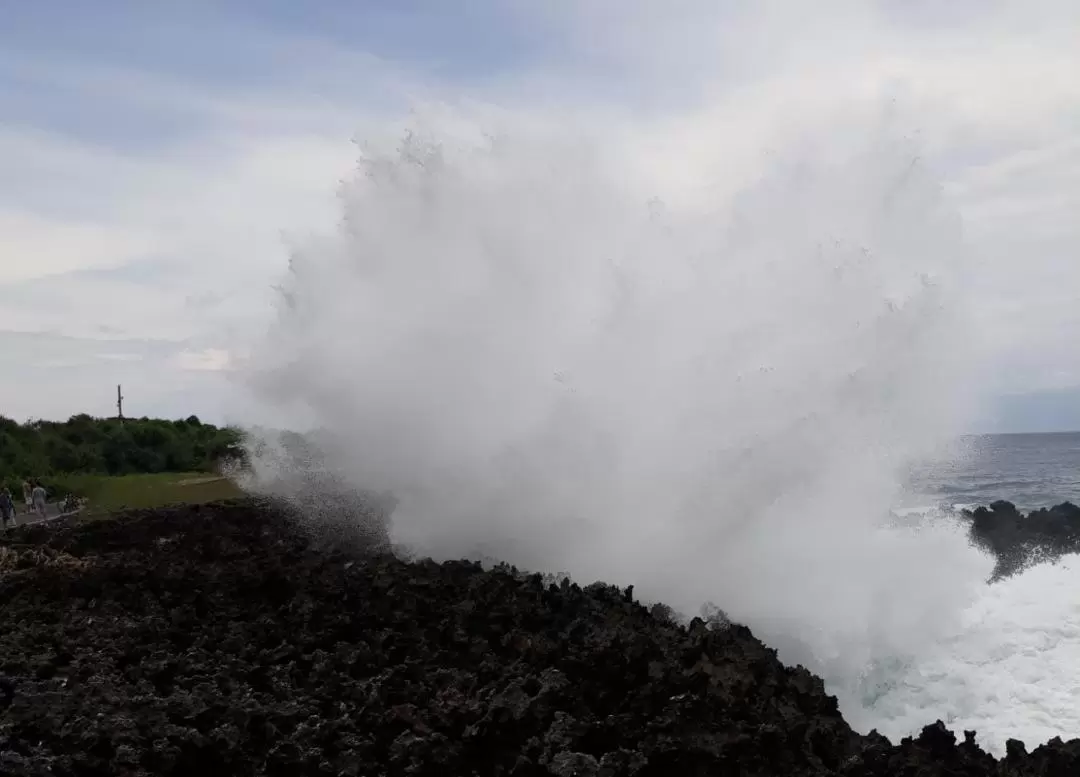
193,231
210,222
206,360
33,246
119,357
988,88
181,245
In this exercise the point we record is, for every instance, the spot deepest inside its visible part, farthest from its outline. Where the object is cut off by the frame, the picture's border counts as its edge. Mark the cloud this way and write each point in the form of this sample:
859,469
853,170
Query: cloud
205,222
50,376
206,360
149,192
33,246
175,239
987,89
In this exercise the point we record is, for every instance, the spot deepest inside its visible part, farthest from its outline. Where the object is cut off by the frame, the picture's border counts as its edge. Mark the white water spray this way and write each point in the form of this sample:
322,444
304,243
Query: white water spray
1007,669
709,400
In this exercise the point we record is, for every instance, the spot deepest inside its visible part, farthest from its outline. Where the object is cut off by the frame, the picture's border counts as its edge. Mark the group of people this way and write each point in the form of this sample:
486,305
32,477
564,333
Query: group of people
33,494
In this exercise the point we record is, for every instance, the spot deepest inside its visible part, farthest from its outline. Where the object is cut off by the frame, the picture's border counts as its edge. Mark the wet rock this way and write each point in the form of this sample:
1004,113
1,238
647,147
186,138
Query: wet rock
567,764
225,640
1018,540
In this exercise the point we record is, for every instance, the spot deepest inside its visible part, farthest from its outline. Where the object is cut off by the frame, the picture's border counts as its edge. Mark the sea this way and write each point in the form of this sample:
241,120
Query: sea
1029,470
1009,668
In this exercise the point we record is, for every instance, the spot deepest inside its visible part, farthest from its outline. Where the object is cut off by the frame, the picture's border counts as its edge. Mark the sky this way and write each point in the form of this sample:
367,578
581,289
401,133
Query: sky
158,160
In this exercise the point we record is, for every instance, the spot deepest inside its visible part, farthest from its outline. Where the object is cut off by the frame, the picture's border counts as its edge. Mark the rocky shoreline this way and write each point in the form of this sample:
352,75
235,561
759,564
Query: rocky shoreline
1017,540
221,640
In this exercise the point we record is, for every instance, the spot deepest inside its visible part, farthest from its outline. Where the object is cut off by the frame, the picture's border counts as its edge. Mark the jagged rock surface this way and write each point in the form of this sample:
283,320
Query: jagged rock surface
1018,540
218,640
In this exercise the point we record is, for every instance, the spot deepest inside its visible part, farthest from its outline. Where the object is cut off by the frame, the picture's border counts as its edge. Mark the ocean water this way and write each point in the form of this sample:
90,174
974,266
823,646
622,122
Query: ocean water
1029,470
1008,668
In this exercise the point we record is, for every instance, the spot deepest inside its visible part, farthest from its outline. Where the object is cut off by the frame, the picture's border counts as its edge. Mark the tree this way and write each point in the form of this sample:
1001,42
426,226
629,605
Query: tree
84,444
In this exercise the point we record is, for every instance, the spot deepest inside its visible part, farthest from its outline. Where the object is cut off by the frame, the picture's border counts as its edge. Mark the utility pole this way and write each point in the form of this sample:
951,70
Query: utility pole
119,404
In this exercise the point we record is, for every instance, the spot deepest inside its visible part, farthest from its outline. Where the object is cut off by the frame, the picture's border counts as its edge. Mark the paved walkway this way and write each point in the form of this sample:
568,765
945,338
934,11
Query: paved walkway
52,512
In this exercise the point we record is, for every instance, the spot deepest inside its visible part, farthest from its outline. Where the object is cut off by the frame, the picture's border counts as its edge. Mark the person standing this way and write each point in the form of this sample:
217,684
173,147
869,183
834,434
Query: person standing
27,492
38,495
7,508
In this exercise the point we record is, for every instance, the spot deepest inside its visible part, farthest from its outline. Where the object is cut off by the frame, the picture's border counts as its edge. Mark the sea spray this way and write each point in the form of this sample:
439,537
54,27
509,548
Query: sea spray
1007,669
713,401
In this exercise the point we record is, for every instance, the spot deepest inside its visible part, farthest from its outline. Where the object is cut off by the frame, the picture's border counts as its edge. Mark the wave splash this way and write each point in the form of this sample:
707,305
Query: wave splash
711,399
1005,668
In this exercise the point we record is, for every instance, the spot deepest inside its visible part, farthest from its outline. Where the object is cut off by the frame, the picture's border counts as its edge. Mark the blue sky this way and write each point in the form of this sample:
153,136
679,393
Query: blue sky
156,159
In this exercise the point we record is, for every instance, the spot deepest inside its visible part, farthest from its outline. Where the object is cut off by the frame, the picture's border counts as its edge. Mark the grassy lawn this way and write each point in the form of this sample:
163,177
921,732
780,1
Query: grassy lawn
106,494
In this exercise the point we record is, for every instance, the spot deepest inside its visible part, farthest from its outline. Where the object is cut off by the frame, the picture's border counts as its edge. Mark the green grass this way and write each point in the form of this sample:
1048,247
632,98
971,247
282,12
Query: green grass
107,494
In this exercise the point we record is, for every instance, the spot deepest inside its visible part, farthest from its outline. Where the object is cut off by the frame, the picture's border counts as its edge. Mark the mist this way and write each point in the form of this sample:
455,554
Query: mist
713,400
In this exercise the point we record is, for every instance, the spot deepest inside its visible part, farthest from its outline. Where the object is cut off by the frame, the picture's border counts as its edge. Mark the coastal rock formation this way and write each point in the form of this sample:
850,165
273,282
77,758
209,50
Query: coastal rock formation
220,640
1018,540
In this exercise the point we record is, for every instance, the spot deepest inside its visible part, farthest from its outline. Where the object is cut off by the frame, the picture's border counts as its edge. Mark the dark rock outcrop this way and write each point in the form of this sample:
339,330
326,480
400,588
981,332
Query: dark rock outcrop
1019,540
217,640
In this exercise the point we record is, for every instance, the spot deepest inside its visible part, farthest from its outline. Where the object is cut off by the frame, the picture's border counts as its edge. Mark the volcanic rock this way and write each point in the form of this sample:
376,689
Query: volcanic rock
223,640
1019,540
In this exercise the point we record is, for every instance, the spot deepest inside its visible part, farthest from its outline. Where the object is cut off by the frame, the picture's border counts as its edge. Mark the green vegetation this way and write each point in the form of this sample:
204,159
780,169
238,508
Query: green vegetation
52,451
106,494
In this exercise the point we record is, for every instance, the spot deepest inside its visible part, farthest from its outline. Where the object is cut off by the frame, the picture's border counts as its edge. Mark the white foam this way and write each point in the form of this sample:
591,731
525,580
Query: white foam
1010,669
961,506
916,511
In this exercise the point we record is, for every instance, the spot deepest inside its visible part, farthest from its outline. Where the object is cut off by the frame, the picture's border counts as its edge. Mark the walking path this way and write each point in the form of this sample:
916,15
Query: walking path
52,512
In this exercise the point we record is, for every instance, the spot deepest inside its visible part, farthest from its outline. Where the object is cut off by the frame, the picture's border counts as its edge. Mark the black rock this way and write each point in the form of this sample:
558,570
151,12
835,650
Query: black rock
223,640
1018,541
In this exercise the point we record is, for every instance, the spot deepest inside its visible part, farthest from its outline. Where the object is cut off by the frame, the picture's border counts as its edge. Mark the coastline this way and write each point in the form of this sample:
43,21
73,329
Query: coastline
220,638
